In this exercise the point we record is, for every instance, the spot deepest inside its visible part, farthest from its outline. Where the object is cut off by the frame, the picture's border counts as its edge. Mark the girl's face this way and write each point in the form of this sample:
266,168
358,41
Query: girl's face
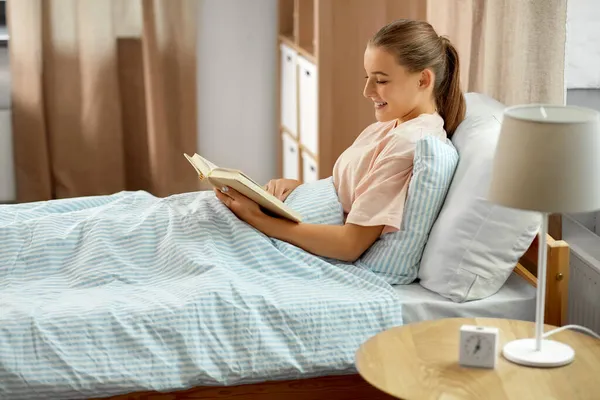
395,92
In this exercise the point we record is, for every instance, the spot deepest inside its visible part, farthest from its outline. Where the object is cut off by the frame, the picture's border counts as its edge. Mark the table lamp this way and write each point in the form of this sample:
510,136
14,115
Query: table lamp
547,160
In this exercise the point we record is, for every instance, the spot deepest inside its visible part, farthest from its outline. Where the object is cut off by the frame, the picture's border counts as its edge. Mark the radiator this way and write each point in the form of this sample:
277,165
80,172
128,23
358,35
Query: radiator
584,275
584,293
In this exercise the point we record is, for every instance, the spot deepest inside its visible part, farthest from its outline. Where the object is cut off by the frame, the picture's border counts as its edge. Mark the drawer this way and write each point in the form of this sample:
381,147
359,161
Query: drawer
291,158
310,171
307,87
289,89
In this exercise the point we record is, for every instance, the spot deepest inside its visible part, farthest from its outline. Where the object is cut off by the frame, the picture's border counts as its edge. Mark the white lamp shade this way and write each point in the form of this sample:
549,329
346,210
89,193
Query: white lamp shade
548,159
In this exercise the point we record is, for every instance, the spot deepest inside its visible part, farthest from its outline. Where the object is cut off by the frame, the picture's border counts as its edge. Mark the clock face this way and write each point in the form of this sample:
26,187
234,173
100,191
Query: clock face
478,347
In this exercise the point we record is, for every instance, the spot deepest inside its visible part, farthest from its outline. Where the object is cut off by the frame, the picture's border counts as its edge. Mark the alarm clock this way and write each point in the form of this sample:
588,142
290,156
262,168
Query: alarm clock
478,346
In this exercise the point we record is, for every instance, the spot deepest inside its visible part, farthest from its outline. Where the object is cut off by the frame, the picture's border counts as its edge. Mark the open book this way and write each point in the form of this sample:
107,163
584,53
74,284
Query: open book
219,177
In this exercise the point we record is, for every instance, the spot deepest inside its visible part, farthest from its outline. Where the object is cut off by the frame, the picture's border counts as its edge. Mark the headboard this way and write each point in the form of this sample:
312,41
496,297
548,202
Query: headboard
557,277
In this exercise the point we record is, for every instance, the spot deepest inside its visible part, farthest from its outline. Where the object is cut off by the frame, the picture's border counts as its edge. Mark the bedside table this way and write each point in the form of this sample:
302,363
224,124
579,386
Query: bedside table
420,361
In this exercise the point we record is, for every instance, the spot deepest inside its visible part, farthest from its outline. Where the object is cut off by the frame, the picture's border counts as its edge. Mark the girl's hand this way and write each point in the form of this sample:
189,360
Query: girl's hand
281,188
245,209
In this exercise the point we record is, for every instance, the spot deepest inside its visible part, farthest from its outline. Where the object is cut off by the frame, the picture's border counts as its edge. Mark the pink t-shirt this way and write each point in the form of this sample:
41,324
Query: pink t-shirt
372,176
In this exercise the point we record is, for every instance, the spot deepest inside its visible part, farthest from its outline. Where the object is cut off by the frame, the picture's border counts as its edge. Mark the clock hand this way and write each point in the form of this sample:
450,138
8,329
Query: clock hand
478,345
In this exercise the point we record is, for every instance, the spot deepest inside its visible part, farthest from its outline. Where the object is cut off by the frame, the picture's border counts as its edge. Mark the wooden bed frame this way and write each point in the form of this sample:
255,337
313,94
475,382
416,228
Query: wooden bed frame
353,386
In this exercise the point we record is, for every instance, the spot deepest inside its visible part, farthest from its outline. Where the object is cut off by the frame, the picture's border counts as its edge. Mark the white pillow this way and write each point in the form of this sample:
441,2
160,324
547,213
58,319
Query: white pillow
474,244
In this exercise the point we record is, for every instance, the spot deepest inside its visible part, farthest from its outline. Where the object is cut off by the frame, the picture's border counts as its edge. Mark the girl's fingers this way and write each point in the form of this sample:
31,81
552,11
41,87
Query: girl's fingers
230,192
224,191
223,197
279,192
270,188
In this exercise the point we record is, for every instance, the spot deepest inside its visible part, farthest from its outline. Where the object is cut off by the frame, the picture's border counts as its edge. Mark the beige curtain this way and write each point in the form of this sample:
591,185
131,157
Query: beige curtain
511,50
103,95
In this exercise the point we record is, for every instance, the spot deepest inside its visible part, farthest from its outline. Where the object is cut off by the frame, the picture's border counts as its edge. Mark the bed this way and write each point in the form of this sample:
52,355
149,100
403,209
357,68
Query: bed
102,298
131,296
516,299
334,379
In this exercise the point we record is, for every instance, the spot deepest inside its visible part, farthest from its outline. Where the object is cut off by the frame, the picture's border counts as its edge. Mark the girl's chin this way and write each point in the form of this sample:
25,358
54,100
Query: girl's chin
383,115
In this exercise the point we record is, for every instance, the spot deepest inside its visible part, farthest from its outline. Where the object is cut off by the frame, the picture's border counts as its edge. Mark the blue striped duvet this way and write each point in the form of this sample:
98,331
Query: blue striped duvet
123,293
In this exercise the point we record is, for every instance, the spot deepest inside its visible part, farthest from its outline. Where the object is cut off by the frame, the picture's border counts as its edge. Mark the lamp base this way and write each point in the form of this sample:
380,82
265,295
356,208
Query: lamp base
552,353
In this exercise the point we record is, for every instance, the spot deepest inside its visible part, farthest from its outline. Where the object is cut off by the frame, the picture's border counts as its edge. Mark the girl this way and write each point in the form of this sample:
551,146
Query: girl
413,80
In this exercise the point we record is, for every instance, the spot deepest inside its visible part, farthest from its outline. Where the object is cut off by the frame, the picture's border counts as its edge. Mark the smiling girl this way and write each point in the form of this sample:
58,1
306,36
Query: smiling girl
413,80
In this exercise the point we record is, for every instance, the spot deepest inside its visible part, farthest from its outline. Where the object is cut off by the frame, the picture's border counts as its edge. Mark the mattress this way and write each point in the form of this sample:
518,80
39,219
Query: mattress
515,300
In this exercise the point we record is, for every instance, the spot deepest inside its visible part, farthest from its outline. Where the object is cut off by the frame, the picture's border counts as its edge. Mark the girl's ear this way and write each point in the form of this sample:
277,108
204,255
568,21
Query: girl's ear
426,79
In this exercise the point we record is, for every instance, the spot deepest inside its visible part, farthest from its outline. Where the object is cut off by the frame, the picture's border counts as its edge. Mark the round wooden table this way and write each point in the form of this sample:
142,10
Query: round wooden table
420,361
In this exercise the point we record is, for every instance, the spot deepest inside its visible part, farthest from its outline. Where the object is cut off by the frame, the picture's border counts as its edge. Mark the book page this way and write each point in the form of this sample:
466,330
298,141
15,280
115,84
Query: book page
209,164
202,166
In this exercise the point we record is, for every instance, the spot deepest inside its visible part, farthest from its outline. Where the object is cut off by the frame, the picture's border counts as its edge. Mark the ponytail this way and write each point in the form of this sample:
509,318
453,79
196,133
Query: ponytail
449,98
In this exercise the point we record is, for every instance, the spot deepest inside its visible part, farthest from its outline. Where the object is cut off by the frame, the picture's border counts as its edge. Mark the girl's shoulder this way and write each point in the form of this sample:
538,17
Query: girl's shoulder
417,128
376,130
391,136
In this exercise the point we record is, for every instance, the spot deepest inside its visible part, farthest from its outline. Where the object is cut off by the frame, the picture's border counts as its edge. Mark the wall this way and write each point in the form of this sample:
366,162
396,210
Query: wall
582,73
586,98
582,50
237,83
583,89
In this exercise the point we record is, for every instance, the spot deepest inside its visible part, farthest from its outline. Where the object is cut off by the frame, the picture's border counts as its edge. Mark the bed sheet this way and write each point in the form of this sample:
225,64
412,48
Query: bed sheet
515,300
116,294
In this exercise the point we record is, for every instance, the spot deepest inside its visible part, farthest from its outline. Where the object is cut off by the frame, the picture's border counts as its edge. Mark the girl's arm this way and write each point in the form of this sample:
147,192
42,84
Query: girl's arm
343,242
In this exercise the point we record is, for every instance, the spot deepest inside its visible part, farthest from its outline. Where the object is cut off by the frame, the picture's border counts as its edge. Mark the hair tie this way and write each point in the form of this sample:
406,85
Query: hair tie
444,40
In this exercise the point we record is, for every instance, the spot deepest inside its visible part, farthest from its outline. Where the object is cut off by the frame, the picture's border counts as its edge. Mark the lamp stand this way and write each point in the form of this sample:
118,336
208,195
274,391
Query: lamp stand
539,352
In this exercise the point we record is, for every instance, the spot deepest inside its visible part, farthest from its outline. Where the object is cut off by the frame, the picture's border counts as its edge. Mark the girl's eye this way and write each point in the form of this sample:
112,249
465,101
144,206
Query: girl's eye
378,82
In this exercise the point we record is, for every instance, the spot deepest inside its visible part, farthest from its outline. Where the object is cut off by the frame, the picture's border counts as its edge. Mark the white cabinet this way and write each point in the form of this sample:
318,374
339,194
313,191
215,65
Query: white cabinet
307,87
289,91
291,158
331,108
310,172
